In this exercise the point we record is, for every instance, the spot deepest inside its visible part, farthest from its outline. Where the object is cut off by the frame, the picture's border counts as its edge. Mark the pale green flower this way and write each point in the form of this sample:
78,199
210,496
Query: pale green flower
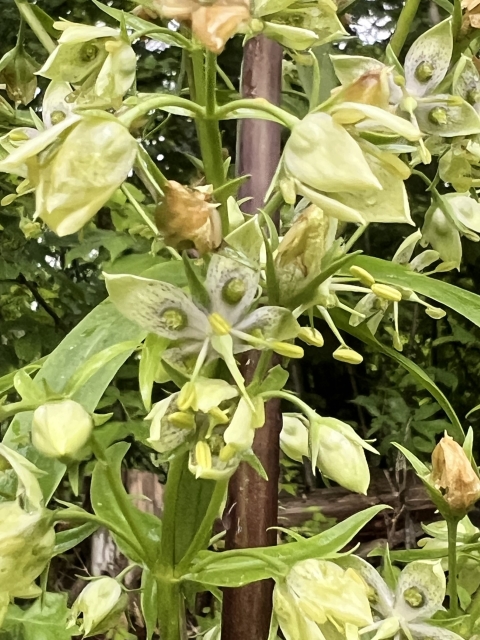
27,536
100,604
443,227
218,327
75,167
100,59
419,593
319,593
332,445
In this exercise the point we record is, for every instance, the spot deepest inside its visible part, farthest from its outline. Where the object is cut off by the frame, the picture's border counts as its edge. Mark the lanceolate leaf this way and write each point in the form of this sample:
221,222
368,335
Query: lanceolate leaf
362,333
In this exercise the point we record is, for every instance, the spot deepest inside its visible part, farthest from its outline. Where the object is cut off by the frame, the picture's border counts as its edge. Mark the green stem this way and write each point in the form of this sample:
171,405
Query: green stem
285,395
258,104
272,206
35,25
355,236
160,102
139,209
452,525
404,23
203,85
171,608
205,529
175,472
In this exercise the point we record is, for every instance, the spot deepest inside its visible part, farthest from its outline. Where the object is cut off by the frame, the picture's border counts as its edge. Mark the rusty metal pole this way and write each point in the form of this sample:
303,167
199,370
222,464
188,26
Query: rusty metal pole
253,502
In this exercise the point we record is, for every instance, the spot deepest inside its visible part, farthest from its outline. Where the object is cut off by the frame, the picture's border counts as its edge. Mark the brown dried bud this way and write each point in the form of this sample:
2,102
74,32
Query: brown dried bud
185,217
453,474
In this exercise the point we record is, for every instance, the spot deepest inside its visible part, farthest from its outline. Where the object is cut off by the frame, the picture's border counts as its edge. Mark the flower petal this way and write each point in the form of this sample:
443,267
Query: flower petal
429,631
67,62
350,68
273,322
447,116
466,209
225,273
443,236
164,436
426,581
146,301
383,599
356,111
433,48
211,392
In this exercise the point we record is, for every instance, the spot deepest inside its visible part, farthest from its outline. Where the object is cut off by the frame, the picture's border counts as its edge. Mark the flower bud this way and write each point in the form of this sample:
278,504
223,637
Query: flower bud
294,438
17,71
100,604
342,459
453,474
312,336
345,354
362,275
186,217
386,292
61,429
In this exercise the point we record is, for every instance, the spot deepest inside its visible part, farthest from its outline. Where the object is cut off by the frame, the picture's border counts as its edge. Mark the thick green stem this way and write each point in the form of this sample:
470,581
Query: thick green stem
202,86
35,25
452,525
205,529
171,608
404,24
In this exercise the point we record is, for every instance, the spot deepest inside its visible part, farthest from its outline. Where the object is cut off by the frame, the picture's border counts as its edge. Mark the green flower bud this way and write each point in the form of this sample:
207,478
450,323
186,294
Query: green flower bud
17,71
100,604
233,290
438,115
61,429
424,72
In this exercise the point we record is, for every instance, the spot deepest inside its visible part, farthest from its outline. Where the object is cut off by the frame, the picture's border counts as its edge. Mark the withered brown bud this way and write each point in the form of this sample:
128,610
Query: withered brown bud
186,217
453,474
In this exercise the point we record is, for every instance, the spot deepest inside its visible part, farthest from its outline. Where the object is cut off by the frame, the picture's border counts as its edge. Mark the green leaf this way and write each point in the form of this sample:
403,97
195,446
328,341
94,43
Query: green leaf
136,533
275,380
410,555
239,567
7,381
363,333
102,328
229,189
152,351
420,469
66,540
305,295
148,602
464,302
96,363
45,619
29,390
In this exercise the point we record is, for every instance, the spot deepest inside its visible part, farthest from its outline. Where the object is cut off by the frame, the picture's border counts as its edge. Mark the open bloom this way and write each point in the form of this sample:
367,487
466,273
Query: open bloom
319,593
100,59
219,326
419,593
426,65
75,167
333,447
443,227
213,23
27,536
362,183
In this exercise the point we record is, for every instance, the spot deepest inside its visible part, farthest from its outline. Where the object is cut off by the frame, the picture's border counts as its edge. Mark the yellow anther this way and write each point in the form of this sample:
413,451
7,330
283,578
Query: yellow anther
364,276
386,292
219,325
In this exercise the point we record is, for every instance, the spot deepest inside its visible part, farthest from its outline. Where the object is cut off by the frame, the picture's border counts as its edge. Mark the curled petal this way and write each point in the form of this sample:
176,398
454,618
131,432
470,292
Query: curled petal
424,631
158,307
420,591
165,436
352,112
232,287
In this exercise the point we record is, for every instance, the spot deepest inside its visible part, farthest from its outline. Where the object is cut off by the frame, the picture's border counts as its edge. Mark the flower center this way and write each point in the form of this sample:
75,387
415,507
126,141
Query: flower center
414,597
88,52
174,319
233,291
219,325
424,72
